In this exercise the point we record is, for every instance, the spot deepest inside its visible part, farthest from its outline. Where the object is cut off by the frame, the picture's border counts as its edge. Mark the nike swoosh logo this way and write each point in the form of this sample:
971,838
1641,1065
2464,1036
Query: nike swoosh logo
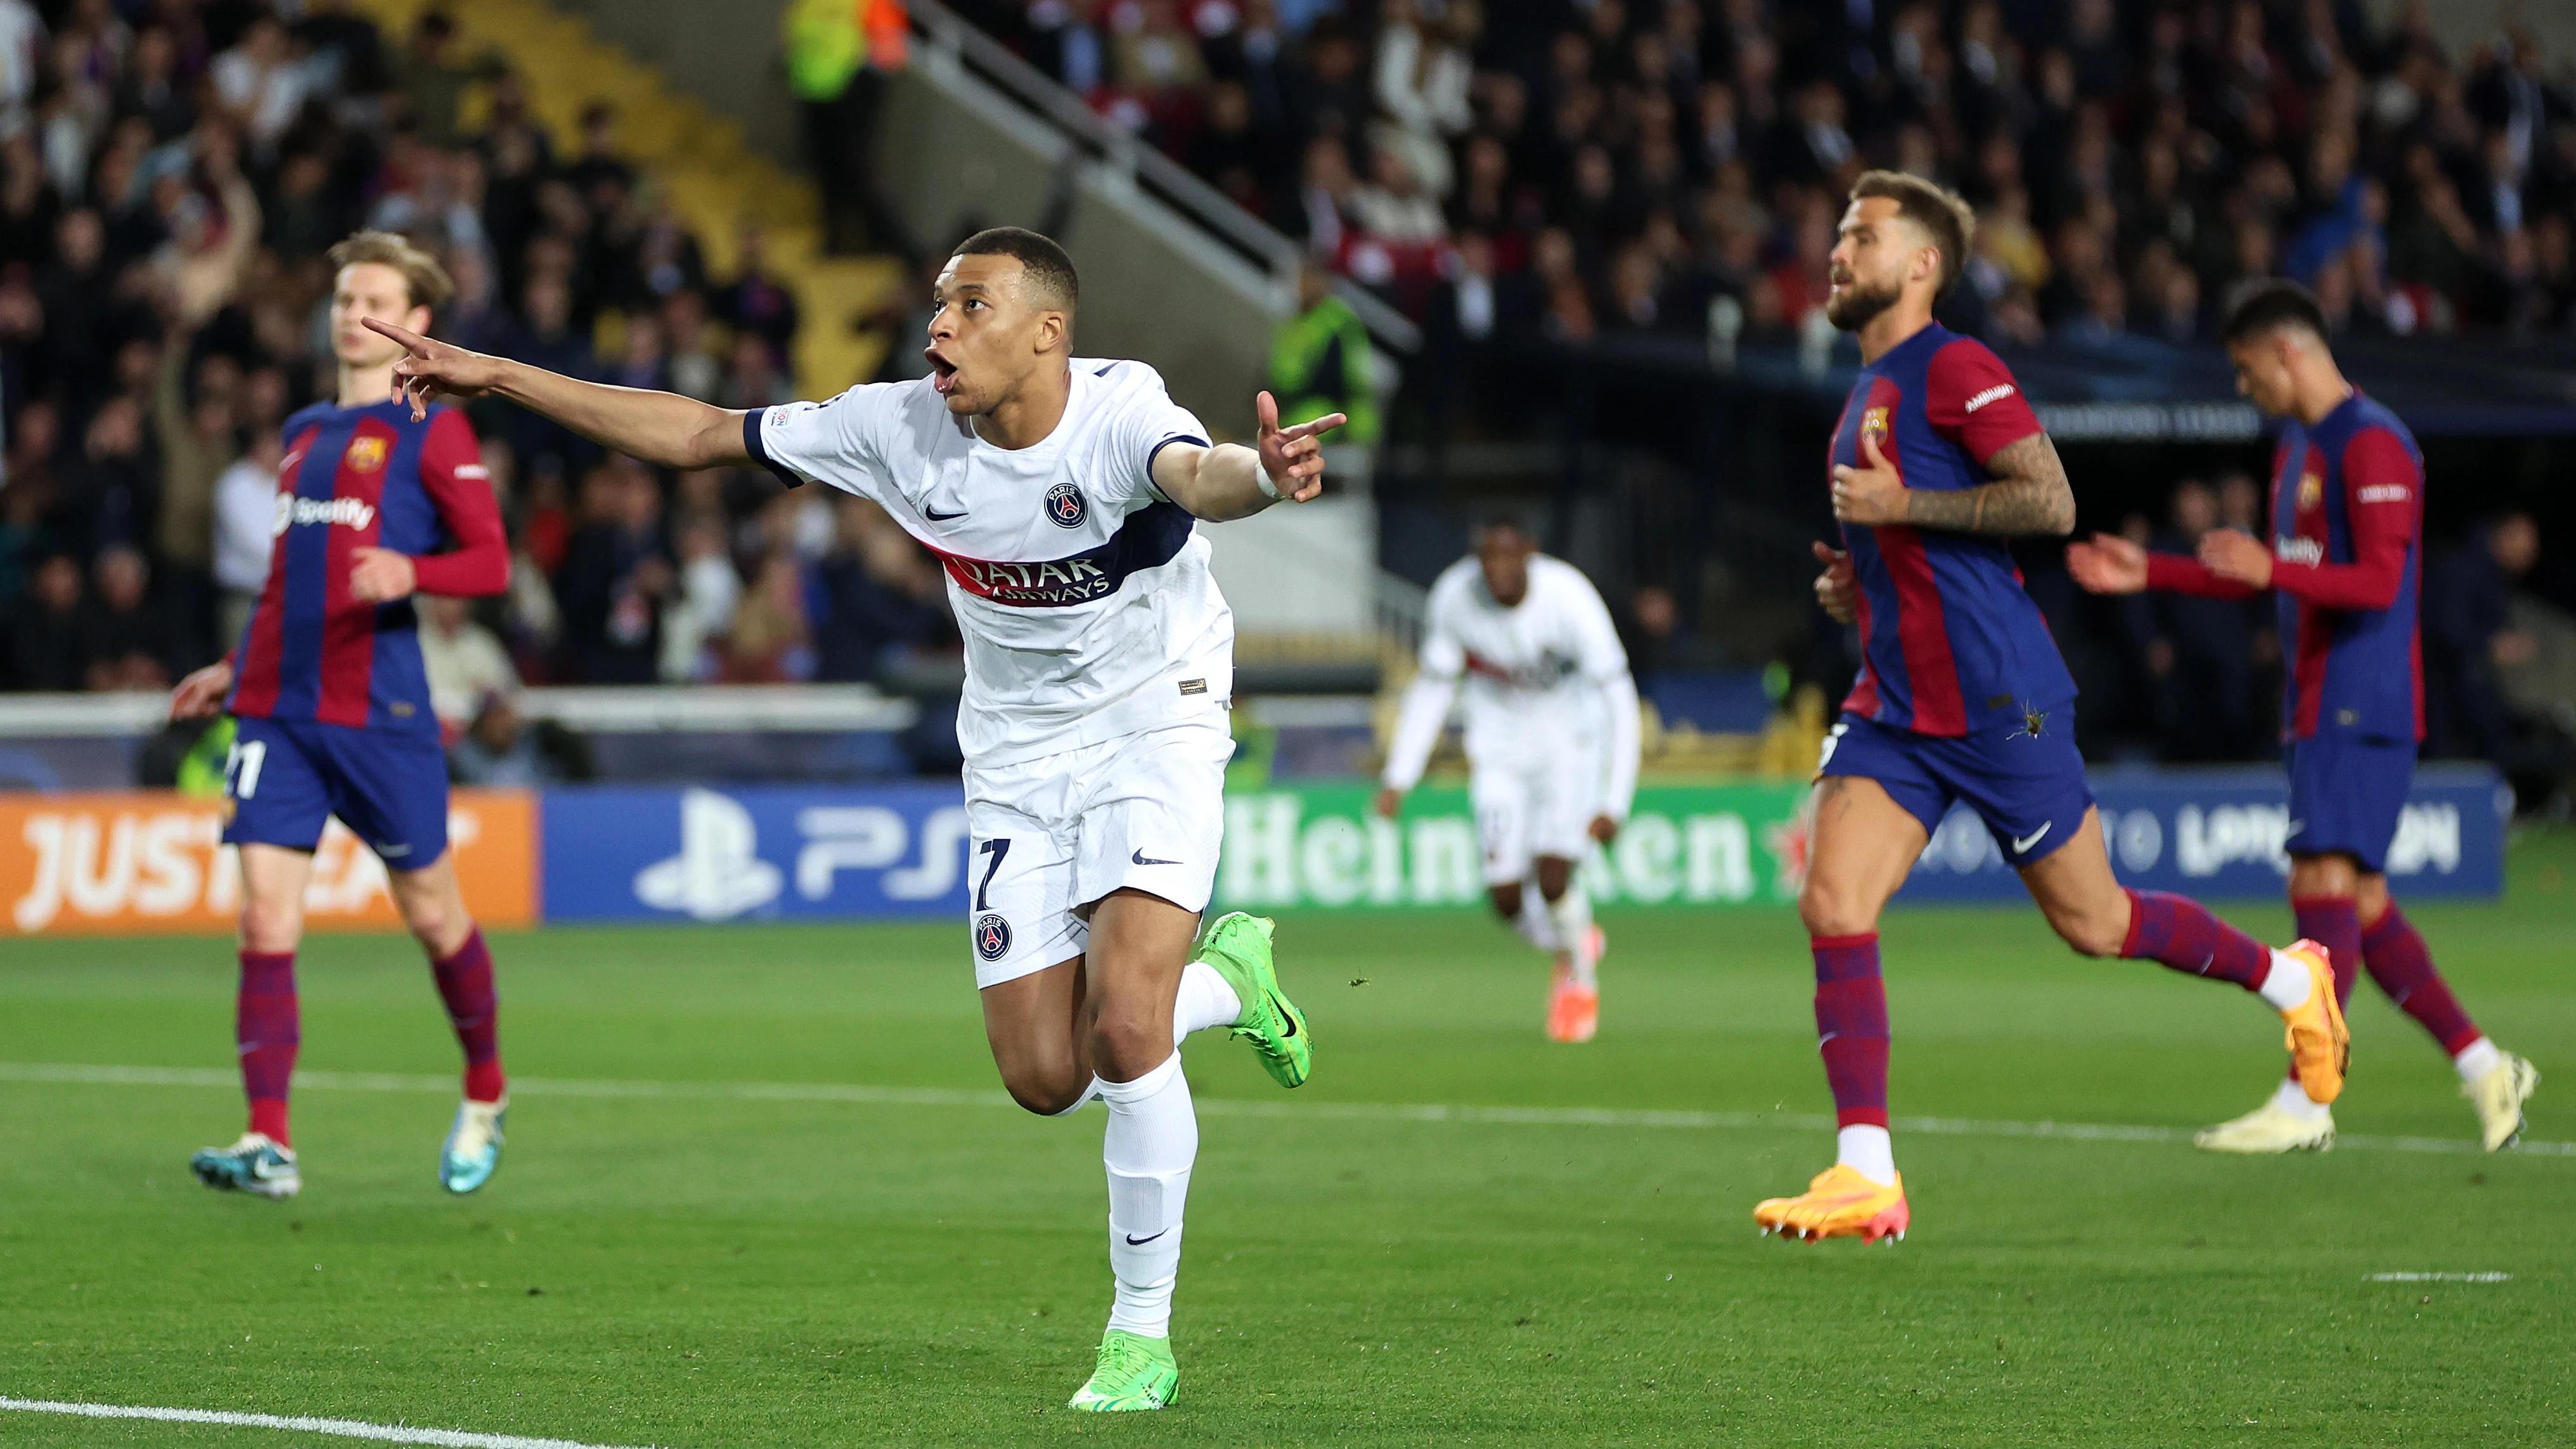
2023,844
1136,1242
1141,858
942,517
1288,1026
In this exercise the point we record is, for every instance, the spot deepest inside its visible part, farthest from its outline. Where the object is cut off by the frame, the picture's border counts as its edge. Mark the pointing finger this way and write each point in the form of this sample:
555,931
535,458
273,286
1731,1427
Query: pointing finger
418,344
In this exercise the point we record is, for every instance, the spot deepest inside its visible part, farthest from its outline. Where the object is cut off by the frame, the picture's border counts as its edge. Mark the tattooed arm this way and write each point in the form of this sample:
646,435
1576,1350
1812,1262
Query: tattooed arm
2029,495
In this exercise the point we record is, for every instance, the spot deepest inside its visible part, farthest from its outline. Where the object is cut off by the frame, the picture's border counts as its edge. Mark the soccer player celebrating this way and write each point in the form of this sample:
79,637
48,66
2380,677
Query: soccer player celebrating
375,502
2346,559
1961,696
1551,737
1061,493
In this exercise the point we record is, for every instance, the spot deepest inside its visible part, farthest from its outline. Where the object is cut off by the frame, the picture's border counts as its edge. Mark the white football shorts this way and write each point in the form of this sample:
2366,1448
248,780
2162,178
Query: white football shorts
1055,834
1533,807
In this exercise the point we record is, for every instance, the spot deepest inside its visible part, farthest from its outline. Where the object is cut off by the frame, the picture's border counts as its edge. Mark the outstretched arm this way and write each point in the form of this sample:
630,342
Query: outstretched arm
1231,481
661,428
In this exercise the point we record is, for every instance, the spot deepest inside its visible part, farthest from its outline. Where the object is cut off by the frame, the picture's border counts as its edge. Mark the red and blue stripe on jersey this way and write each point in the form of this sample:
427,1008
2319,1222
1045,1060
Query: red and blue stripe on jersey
2347,561
357,478
1950,641
2348,555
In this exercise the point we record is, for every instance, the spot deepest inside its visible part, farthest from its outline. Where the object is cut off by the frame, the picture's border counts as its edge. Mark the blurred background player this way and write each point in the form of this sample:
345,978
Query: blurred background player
1961,697
1099,674
1551,742
373,506
2347,559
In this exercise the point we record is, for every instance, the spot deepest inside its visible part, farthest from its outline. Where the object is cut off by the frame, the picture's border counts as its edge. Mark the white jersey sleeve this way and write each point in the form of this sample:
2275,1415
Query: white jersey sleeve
1143,422
1427,699
839,441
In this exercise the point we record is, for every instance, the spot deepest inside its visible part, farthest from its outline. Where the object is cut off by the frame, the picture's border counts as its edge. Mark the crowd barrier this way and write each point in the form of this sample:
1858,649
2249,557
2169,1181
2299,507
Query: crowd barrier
151,862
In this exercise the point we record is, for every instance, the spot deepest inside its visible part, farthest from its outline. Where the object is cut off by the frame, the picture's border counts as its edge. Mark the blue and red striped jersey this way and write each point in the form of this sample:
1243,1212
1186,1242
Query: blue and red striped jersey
2348,563
353,478
1950,641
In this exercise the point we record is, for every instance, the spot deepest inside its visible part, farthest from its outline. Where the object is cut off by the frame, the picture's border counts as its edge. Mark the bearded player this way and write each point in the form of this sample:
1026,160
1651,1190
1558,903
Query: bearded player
2346,559
375,502
1061,493
1961,696
1551,740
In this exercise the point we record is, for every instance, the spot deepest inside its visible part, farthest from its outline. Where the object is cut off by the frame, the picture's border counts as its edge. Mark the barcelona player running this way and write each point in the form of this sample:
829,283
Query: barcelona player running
1063,495
1961,697
2346,559
373,505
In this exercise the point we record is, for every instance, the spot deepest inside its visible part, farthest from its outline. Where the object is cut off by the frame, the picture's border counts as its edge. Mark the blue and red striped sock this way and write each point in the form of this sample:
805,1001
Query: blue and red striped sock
2181,933
266,1031
2398,960
1851,1027
474,1010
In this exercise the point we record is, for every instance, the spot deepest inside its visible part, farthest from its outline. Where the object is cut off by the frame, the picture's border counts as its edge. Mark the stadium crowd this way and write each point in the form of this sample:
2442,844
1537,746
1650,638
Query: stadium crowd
1557,169
171,175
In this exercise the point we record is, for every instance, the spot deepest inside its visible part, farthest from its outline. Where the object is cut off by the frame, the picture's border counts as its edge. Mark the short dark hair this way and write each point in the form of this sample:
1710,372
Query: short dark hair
1938,210
1045,262
1504,516
2270,305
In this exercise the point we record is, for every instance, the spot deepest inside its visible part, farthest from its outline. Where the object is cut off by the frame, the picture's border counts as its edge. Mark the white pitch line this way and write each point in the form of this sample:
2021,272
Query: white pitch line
82,1074
2439,1278
343,1428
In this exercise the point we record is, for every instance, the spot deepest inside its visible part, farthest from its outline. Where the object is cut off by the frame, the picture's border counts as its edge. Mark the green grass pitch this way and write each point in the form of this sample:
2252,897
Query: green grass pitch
705,1268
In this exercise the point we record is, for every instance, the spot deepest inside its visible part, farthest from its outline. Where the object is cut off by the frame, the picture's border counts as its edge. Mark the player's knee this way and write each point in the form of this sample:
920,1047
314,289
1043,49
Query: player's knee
1127,1042
1554,877
435,923
1829,910
1046,1093
1507,900
271,926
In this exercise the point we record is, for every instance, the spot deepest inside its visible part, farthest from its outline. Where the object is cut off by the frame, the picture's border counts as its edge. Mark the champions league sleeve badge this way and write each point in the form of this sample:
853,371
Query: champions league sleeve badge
1065,505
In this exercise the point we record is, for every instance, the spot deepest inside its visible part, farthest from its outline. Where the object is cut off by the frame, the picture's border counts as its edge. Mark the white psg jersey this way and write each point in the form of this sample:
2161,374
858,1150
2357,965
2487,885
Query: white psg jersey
1541,677
1083,593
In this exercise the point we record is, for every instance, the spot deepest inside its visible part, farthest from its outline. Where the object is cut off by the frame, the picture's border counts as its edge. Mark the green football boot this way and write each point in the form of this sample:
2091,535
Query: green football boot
1135,1373
1238,947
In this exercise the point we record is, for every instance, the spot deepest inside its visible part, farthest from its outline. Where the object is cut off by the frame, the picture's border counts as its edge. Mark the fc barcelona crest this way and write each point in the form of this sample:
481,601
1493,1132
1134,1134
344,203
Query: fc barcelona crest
366,454
1066,505
1873,425
2312,491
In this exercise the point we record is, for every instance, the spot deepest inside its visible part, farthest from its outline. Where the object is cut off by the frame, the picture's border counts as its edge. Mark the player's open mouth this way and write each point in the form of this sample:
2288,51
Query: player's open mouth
943,373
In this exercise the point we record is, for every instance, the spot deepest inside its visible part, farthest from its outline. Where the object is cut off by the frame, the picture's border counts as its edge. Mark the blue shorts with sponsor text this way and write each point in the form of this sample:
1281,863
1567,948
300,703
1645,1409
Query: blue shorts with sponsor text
287,777
2346,794
2028,787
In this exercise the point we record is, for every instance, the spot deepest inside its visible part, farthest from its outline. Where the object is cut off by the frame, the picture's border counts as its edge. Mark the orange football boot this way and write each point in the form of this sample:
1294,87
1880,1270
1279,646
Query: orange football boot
1840,1203
2320,1045
1573,1012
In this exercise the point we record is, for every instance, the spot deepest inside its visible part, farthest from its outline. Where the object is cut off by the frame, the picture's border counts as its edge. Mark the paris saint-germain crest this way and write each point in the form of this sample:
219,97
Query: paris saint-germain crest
992,936
1066,505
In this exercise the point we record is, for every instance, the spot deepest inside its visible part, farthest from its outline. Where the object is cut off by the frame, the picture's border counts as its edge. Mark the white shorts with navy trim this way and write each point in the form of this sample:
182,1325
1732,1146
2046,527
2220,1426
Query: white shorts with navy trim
1539,806
1055,834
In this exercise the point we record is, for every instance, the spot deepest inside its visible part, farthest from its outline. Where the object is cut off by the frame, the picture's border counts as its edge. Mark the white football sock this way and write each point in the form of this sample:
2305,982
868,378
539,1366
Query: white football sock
1153,1138
2477,1059
1867,1151
2292,1098
2288,985
1572,913
1535,925
1204,1001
